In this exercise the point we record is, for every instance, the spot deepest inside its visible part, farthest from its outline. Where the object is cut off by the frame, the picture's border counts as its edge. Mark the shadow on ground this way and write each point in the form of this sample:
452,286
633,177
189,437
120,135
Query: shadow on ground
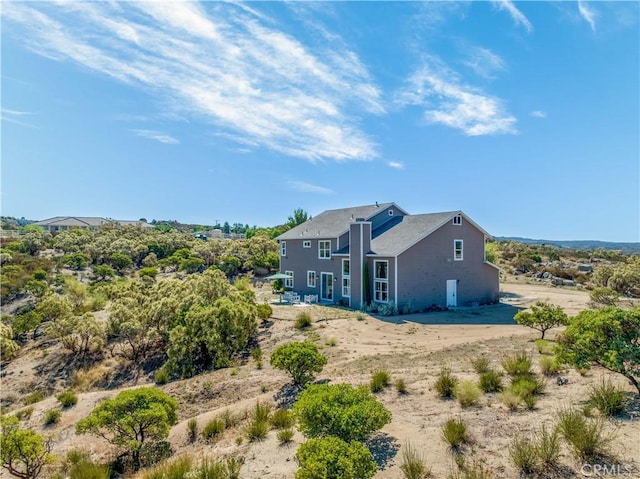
383,448
496,314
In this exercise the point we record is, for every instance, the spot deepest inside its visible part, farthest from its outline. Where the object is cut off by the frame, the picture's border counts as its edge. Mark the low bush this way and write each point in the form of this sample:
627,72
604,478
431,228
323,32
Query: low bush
331,342
282,419
24,413
161,376
454,432
481,364
511,400
475,471
257,430
467,393
547,442
446,383
607,398
518,364
67,399
585,437
229,419
545,346
523,454
178,469
525,386
285,435
34,397
548,365
413,465
605,296
264,311
491,381
213,429
379,380
52,417
261,411
401,386
303,320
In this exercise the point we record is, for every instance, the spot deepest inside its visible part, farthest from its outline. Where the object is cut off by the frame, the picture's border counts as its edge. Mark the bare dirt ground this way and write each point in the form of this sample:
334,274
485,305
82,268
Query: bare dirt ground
411,347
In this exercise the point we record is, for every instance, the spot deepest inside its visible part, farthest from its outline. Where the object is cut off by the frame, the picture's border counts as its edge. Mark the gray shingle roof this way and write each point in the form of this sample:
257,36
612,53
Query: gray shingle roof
84,221
332,223
404,231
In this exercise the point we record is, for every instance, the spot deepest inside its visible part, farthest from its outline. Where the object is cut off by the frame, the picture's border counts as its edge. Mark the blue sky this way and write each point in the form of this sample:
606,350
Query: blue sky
524,115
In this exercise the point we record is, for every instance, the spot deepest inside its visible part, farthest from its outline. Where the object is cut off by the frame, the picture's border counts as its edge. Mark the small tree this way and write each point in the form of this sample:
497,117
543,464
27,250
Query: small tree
131,419
609,337
79,334
339,410
103,271
333,458
24,453
8,347
300,359
543,316
121,261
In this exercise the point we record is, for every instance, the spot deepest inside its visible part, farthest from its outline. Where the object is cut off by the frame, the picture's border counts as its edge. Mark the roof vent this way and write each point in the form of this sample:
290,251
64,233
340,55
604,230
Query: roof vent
360,219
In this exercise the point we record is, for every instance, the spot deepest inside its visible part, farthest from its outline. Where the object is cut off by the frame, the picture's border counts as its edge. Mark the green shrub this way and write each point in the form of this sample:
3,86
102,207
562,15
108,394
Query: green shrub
149,272
33,398
285,435
467,393
523,454
481,364
67,399
208,469
256,354
530,401
445,383
400,386
413,466
178,469
262,411
257,430
332,458
491,381
547,444
544,346
300,359
331,342
303,320
379,380
192,429
511,400
584,436
229,419
606,296
86,469
97,302
548,365
52,417
518,364
360,317
282,419
213,429
161,376
607,398
528,386
454,432
475,471
264,311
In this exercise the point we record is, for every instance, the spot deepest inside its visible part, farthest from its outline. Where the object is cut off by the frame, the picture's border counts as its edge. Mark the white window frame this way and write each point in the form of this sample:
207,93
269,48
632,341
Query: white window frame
380,284
346,280
390,212
288,282
311,279
306,244
458,253
283,248
324,252
457,220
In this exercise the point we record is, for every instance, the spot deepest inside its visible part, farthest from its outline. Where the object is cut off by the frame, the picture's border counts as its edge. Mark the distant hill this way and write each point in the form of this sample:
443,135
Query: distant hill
577,244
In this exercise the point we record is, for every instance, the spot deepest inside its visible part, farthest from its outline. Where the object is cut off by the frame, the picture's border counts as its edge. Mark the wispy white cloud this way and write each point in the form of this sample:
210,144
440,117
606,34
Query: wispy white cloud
156,135
305,187
516,14
484,62
219,62
12,116
450,102
539,114
398,165
588,13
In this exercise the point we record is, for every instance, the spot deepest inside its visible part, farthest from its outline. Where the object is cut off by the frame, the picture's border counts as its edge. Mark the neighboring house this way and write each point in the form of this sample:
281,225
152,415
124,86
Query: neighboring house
61,223
382,254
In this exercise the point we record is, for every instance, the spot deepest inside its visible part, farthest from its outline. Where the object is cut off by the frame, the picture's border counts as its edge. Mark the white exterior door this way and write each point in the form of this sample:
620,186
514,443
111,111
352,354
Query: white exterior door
452,293
327,286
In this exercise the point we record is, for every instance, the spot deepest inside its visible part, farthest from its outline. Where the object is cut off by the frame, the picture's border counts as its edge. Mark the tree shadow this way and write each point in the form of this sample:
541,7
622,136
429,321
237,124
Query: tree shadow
383,448
287,395
632,408
495,314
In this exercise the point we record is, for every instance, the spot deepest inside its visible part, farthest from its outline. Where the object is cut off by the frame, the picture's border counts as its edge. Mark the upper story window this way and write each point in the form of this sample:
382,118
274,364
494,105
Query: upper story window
457,220
306,244
458,250
346,267
381,270
283,248
324,249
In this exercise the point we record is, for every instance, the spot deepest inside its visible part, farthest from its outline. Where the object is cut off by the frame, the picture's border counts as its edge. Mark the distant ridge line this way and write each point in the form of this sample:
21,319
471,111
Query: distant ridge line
577,244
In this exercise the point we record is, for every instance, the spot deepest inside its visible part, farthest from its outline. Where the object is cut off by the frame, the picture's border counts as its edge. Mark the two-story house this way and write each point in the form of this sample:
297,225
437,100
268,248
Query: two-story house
380,253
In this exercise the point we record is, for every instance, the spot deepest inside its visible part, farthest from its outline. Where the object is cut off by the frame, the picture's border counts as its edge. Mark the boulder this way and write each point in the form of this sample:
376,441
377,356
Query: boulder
568,282
587,268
